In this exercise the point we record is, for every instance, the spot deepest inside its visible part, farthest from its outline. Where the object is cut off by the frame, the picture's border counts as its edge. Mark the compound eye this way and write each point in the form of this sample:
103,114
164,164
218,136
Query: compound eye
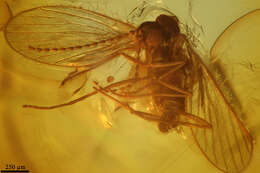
169,23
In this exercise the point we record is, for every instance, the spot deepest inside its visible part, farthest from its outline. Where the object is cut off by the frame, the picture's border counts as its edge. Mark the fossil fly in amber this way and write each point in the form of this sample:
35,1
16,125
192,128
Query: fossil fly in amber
165,68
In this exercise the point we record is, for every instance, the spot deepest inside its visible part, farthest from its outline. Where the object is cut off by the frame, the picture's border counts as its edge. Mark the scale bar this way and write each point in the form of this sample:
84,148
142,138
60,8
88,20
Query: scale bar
9,170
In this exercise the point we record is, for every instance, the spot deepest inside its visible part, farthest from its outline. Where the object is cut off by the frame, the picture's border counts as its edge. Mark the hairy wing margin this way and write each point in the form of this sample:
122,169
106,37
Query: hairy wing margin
66,35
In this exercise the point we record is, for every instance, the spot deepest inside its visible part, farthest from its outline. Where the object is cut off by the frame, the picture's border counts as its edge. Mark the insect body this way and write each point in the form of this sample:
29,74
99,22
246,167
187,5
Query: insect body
183,91
164,44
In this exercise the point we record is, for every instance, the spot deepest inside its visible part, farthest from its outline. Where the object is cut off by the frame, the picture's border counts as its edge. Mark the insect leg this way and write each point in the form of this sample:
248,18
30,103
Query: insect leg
171,71
113,85
70,77
188,124
171,86
144,115
133,96
81,86
132,59
70,74
83,83
174,88
73,72
198,122
188,119
179,64
62,105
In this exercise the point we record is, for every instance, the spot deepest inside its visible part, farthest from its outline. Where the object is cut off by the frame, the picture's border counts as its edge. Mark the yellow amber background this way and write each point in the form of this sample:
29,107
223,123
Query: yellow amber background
5,13
73,139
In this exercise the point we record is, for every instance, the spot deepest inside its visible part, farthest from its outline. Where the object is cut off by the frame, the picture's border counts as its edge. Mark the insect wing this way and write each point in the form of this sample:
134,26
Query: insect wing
66,35
228,145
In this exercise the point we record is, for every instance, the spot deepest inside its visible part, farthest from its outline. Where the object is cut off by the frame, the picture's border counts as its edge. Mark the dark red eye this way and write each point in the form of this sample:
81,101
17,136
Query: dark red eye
169,23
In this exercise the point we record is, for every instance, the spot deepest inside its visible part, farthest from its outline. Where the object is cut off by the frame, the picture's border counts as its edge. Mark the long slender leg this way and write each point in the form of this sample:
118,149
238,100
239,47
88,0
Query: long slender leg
114,85
174,88
111,86
144,115
83,83
178,65
73,72
81,86
130,58
69,75
171,71
196,121
186,118
134,96
61,105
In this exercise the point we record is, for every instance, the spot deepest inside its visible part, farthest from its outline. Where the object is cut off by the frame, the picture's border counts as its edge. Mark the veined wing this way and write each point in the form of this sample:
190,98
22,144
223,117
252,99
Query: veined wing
67,35
228,145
